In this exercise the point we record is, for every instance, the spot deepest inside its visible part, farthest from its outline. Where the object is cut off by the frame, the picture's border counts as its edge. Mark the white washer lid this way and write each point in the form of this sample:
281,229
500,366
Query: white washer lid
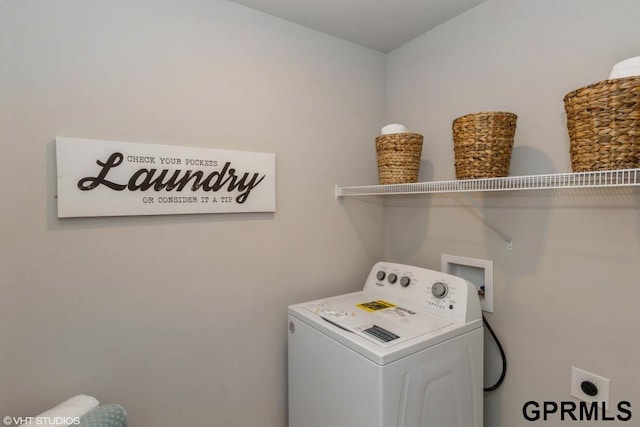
382,322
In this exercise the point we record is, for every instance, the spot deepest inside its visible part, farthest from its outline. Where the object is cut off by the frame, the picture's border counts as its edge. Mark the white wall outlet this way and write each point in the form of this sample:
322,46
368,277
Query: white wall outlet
578,377
477,271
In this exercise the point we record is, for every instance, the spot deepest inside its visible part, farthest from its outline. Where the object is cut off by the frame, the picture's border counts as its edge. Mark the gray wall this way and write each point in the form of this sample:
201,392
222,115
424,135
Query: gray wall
181,319
567,294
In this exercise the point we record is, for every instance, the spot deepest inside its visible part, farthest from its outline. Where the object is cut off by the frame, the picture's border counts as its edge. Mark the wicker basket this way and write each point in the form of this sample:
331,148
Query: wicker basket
399,157
482,144
603,120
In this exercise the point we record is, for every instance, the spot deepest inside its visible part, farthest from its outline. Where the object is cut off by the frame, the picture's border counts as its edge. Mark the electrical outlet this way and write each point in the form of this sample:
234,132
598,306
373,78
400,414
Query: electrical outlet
581,386
477,271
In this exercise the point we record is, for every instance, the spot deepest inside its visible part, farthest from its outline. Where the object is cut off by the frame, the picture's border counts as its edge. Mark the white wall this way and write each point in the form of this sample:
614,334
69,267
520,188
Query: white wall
567,294
181,319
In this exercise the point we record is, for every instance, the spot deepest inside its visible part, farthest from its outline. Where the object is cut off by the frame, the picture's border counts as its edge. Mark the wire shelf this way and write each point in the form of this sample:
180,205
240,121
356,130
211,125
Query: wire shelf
598,179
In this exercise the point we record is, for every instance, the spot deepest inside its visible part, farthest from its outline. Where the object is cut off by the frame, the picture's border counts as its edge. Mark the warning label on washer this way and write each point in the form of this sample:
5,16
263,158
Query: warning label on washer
375,305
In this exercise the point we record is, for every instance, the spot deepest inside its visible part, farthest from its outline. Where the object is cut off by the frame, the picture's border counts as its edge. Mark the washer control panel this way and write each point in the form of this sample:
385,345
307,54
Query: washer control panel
425,290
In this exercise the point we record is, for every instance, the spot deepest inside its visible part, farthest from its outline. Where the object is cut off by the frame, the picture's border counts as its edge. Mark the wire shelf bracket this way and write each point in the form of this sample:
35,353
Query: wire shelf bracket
495,229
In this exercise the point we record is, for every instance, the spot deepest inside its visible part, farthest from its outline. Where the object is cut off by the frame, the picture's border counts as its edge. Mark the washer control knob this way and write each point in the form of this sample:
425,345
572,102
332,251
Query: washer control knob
393,278
380,275
405,281
439,290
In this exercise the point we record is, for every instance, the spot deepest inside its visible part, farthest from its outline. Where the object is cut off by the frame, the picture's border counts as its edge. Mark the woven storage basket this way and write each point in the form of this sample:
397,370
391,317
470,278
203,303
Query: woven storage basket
399,157
603,120
482,144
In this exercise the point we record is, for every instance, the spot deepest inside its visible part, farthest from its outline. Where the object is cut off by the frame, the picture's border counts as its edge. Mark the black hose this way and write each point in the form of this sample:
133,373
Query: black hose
504,358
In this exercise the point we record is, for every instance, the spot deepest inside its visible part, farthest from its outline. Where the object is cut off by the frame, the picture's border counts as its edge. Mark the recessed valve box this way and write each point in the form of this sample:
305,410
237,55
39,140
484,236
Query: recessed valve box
477,271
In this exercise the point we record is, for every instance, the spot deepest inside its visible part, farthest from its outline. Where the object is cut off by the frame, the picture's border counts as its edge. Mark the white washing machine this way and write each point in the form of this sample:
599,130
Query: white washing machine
406,351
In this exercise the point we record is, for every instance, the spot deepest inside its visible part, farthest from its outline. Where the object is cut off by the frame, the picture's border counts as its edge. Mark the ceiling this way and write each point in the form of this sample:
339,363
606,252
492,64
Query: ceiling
382,25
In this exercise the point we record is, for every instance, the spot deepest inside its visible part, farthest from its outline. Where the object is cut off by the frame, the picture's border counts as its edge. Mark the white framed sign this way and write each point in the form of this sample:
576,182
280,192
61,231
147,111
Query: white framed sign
111,178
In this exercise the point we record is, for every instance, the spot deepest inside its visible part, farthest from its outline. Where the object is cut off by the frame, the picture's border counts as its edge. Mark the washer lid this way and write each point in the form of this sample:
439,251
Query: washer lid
382,322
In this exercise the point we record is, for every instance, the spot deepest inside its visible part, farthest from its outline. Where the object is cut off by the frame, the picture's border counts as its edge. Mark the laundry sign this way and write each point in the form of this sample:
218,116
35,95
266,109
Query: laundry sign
111,178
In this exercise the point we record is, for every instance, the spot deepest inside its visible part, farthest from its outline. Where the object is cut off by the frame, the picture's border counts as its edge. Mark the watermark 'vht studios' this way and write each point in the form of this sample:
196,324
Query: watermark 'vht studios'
570,411
41,421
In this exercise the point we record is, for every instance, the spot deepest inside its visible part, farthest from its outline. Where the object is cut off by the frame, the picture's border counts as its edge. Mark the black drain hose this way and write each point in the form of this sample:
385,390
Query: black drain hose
504,358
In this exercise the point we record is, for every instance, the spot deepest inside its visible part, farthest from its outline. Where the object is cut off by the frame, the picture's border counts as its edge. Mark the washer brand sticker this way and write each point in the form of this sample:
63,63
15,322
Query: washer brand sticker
399,313
406,310
375,305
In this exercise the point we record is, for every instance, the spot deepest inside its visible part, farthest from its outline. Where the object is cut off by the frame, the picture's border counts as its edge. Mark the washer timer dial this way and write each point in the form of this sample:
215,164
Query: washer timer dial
439,290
